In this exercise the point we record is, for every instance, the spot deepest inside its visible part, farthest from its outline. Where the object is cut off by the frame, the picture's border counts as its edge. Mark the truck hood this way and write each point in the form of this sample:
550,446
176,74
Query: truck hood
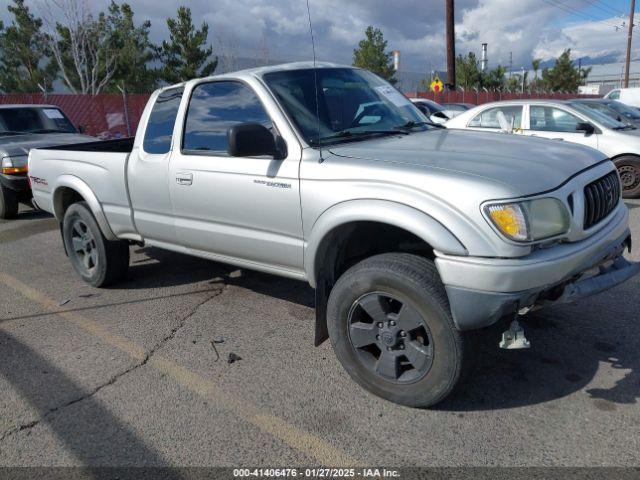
17,145
530,165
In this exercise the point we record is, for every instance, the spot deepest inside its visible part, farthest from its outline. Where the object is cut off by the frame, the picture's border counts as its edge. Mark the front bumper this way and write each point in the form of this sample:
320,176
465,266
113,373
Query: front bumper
483,290
17,183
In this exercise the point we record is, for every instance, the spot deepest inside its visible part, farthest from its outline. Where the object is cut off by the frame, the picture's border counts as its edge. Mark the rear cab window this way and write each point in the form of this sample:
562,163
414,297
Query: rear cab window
34,120
159,132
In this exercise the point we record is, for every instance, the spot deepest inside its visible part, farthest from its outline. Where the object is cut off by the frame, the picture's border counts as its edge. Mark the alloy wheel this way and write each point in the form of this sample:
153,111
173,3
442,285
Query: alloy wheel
390,337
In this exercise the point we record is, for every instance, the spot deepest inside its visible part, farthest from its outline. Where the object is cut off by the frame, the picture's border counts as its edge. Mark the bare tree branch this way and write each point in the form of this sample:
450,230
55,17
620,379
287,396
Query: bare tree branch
80,44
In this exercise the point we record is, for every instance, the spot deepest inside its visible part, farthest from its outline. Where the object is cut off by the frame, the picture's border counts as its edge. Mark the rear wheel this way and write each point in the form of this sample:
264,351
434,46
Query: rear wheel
391,328
629,170
98,261
8,203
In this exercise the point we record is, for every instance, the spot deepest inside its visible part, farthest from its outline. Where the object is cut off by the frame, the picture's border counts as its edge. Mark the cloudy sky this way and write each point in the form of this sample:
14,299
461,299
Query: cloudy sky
527,28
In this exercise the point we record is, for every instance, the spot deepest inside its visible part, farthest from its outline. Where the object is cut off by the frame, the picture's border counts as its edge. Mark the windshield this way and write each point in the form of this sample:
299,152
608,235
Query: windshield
624,110
351,104
20,120
605,120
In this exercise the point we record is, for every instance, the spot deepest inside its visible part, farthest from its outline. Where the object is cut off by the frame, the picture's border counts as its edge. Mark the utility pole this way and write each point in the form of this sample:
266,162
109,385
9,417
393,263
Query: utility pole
629,37
510,63
451,45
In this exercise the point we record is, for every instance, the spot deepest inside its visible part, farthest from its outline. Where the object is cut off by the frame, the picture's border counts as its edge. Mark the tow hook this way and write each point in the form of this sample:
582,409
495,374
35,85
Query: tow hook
514,338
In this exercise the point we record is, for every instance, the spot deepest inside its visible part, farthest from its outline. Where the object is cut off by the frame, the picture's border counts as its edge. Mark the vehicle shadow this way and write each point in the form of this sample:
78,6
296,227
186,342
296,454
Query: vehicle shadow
92,434
569,343
162,268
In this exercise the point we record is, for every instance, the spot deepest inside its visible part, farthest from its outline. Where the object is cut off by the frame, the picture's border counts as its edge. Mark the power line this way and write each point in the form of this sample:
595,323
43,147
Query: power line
583,15
615,10
608,10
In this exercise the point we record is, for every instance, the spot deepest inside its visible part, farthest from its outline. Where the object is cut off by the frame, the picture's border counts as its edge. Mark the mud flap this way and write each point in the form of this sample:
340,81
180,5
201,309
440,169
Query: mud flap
322,297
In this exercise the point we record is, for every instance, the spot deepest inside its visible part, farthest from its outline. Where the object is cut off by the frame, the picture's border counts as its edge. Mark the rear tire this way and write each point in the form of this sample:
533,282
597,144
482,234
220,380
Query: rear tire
391,327
98,261
8,203
629,169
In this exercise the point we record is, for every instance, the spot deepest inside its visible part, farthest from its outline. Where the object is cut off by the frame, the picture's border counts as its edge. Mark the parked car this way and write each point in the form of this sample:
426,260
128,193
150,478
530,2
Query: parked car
23,127
414,237
628,96
432,110
612,108
572,122
455,109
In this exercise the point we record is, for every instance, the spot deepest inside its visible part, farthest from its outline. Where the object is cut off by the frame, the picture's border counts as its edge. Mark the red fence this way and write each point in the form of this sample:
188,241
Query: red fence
482,96
109,116
105,115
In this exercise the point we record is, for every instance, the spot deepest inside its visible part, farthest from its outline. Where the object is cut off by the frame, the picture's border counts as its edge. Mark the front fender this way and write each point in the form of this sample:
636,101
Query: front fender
78,185
382,211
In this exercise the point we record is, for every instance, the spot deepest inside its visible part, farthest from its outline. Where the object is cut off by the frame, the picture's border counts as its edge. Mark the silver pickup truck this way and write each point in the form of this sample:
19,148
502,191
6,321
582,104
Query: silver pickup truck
413,236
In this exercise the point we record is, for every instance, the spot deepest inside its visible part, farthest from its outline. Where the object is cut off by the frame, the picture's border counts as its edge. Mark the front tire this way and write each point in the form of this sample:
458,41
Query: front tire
391,328
98,261
629,170
8,203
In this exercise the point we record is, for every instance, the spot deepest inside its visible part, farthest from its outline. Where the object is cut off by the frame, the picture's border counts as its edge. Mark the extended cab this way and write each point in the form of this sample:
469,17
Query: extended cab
413,236
23,127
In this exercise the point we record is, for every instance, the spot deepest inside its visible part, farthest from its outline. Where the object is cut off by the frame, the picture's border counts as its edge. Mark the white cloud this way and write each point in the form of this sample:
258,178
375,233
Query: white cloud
587,39
527,28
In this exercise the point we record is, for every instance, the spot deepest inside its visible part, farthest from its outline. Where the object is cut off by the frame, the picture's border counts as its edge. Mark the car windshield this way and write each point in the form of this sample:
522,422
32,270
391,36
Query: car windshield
624,110
605,120
22,120
349,104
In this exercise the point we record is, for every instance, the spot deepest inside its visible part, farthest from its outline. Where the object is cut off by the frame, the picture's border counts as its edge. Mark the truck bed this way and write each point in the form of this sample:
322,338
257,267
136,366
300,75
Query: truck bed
96,168
121,145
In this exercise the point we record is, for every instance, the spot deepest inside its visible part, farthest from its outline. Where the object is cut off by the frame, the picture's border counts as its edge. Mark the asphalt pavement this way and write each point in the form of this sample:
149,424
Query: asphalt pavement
194,363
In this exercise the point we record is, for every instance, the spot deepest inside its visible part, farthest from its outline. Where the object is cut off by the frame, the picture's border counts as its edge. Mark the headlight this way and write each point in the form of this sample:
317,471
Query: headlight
531,220
13,165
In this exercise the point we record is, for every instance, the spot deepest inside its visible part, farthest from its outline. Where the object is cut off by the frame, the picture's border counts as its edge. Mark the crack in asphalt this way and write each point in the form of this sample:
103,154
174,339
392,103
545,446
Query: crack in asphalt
113,379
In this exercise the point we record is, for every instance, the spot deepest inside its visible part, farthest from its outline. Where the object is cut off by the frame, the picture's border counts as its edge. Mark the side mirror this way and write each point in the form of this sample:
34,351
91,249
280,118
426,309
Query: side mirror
252,140
585,127
81,129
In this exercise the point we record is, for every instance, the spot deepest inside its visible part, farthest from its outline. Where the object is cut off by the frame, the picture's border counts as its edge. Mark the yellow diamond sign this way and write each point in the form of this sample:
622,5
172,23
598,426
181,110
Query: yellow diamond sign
436,85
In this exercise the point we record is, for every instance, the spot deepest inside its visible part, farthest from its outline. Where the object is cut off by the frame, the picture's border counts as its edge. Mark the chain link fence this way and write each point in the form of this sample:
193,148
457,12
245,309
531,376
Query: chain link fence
108,116
104,116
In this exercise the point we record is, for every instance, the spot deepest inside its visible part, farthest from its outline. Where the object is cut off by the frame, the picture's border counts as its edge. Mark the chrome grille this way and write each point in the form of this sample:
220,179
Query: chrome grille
600,199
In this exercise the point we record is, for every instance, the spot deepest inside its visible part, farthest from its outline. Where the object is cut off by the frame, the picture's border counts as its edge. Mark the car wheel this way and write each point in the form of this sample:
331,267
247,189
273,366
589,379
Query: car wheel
98,261
629,170
391,327
8,203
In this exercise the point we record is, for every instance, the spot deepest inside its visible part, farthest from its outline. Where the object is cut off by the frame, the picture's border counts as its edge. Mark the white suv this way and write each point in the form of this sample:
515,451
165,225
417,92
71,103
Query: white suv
558,120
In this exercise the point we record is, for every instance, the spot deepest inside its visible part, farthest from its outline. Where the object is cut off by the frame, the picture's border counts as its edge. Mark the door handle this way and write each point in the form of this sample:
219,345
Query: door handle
184,178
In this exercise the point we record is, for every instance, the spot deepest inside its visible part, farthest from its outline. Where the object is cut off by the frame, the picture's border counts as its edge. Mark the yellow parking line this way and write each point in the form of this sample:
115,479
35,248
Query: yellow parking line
296,438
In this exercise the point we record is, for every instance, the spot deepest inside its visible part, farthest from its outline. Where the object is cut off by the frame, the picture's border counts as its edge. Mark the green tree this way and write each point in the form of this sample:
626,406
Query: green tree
372,55
494,79
135,51
563,76
184,56
25,59
535,64
467,71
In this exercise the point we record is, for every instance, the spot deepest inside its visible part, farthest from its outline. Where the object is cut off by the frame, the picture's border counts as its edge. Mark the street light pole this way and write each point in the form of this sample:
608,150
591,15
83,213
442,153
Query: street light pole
629,37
